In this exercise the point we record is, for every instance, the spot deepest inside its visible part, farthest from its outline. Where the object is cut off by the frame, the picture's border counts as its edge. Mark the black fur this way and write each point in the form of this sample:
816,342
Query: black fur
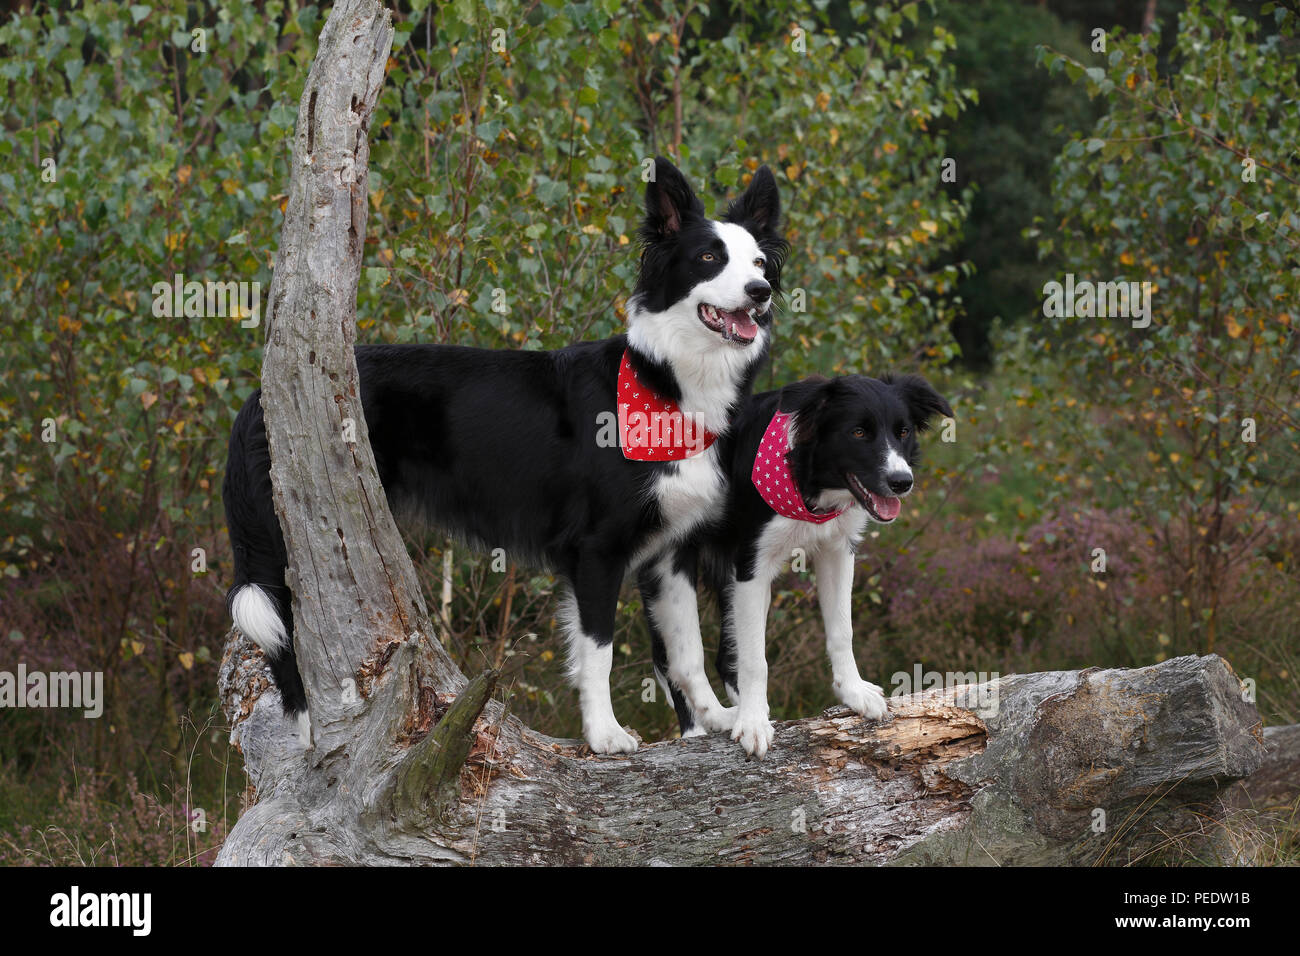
500,447
828,412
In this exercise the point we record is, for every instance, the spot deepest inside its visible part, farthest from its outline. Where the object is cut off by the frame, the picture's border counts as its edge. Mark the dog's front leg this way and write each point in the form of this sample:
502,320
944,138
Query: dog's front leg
588,618
668,587
834,566
748,628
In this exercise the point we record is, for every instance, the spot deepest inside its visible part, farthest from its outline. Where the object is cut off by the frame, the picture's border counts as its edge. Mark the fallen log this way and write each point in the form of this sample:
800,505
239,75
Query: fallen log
1079,767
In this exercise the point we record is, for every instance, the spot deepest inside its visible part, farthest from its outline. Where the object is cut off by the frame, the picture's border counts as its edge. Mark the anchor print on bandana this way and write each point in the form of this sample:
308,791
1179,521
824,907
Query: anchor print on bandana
652,427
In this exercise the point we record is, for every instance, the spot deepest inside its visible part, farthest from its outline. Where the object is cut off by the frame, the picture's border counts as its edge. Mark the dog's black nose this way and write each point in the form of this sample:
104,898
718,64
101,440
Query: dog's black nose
899,482
758,290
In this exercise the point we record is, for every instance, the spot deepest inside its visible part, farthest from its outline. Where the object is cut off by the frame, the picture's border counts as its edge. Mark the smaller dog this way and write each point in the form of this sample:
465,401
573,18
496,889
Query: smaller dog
810,465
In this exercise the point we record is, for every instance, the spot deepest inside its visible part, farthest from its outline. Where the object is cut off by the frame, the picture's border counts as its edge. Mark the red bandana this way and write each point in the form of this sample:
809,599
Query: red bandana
652,427
772,475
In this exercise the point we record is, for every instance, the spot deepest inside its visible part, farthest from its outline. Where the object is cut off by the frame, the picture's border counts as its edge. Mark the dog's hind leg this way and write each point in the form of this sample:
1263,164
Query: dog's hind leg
674,612
726,659
587,614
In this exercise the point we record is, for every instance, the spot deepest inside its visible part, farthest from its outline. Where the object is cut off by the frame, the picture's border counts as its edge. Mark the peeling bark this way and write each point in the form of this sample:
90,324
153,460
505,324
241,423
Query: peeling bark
935,783
408,764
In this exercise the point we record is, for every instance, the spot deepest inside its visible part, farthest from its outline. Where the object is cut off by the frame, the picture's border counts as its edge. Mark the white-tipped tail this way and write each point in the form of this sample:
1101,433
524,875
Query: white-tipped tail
256,617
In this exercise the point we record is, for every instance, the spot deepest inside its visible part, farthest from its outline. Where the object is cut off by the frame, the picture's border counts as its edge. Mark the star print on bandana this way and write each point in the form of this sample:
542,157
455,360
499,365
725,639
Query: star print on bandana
772,475
652,427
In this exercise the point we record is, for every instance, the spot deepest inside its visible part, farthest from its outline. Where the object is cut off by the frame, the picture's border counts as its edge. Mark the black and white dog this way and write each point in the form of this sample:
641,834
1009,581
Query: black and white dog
516,450
810,465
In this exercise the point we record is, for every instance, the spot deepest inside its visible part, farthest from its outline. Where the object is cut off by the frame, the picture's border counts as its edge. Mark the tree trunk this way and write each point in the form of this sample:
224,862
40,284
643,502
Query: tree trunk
409,763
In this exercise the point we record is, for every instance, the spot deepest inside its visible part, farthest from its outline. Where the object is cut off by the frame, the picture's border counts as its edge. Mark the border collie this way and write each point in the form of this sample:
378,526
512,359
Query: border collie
521,450
810,465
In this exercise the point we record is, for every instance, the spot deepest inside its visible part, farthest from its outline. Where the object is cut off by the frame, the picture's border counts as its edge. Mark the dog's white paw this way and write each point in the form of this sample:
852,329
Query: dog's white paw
717,719
609,739
695,731
754,732
864,698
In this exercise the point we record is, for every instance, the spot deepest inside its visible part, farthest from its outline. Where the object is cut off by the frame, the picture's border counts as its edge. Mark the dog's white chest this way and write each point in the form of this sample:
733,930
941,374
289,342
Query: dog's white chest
691,494
783,537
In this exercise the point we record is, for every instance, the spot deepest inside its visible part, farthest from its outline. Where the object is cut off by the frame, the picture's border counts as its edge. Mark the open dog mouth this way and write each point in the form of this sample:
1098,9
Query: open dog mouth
884,508
734,325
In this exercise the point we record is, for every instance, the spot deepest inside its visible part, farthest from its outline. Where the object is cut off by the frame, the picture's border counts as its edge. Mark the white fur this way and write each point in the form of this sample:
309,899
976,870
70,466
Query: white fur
835,594
687,494
749,604
676,614
589,669
708,368
257,619
831,546
895,463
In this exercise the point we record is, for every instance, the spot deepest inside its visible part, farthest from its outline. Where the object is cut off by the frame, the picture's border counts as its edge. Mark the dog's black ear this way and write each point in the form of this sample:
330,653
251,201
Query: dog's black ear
807,401
759,207
669,202
922,401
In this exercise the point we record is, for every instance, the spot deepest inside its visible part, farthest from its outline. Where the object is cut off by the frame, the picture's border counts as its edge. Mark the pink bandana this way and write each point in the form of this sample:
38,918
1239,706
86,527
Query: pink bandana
772,475
652,427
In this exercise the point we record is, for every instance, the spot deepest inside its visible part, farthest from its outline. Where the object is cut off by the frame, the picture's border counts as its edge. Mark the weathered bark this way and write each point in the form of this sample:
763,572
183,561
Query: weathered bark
411,765
356,597
934,783
1275,787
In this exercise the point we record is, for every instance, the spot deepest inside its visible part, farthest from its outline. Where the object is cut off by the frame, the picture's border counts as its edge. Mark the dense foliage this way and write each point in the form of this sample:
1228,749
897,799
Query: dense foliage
147,141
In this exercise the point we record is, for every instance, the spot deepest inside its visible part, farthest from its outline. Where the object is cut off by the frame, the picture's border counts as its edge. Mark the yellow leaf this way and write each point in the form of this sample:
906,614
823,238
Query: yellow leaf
137,648
177,427
890,148
147,399
1126,258
187,660
1235,331
823,100
183,174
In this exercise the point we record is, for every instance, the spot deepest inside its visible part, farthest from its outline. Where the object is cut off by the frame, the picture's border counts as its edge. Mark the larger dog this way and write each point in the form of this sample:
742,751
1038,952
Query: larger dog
511,449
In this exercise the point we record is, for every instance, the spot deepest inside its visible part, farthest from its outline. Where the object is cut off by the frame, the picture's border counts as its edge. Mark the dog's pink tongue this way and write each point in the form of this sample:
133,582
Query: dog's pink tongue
739,324
887,508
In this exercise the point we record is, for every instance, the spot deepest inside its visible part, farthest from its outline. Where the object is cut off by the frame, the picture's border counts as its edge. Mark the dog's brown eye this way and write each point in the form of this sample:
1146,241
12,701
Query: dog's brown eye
902,432
859,433
707,257
760,263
